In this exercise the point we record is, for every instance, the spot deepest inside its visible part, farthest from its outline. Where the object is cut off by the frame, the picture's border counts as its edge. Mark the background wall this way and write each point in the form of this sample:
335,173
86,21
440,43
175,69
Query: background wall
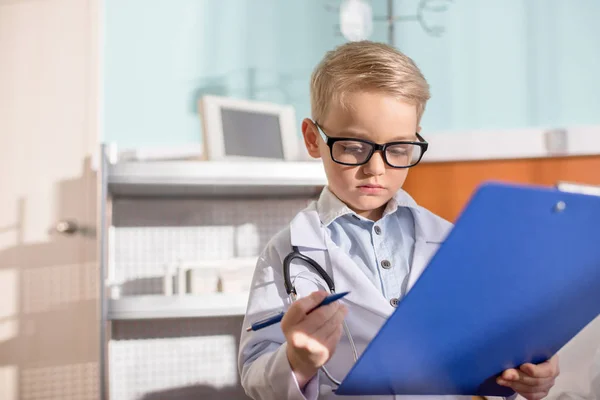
161,56
501,63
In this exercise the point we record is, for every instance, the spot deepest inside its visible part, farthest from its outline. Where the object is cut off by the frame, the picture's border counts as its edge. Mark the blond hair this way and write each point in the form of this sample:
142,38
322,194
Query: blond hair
366,66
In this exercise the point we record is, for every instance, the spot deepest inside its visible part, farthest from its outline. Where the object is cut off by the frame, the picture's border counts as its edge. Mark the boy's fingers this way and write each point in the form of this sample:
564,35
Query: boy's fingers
336,334
334,338
311,301
544,370
510,374
514,375
548,369
528,389
328,334
323,313
522,389
300,307
537,371
316,319
325,328
526,380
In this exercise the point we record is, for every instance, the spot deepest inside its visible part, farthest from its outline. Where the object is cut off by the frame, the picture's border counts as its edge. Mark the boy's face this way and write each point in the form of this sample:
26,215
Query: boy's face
376,117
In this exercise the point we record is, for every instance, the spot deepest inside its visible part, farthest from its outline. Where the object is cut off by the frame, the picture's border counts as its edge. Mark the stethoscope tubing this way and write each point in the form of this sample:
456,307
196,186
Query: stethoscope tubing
292,293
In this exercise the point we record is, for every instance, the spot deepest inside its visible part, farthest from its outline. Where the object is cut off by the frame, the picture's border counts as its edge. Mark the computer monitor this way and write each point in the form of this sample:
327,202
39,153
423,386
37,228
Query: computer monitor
245,129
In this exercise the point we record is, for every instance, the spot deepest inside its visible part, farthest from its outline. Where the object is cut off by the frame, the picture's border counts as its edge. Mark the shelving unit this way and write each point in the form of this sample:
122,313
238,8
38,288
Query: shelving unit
222,187
201,178
177,306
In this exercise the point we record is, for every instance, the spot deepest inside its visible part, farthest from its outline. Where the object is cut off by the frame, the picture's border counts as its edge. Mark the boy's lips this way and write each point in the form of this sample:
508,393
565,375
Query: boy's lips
371,188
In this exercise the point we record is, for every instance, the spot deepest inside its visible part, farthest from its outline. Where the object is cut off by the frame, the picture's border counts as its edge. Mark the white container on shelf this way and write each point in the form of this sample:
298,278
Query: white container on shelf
247,240
232,275
202,280
236,279
114,288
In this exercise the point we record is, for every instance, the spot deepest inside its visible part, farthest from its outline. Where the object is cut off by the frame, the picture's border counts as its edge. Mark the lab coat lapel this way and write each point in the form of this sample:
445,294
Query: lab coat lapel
428,238
348,277
422,254
308,233
306,229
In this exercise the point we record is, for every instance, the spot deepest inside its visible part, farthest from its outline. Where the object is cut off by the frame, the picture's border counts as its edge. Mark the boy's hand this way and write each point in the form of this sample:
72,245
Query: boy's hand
311,339
533,382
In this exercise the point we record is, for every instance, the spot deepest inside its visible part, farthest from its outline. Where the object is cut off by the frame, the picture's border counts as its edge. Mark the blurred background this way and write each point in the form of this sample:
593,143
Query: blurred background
129,219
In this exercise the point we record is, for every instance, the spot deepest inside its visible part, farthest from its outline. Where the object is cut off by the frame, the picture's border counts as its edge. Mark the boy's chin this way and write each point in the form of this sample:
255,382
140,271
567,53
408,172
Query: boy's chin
370,202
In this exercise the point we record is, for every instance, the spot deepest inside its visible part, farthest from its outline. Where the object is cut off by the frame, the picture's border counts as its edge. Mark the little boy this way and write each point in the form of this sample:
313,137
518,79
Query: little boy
366,233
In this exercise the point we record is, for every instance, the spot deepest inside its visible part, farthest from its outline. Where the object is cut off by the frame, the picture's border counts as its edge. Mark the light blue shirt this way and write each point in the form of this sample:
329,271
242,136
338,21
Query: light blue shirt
383,250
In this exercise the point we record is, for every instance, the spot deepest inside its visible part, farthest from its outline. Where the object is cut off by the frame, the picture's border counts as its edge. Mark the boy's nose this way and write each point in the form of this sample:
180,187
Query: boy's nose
376,165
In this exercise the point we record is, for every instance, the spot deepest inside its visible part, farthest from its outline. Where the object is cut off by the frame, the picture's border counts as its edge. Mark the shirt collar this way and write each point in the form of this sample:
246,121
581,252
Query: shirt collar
330,207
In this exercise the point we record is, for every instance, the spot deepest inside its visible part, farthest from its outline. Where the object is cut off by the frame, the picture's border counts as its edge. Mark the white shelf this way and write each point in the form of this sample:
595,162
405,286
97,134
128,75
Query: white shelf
211,178
177,306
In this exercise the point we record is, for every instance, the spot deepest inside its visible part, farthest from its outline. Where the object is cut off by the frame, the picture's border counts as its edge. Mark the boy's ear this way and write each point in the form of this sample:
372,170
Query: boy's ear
311,138
419,129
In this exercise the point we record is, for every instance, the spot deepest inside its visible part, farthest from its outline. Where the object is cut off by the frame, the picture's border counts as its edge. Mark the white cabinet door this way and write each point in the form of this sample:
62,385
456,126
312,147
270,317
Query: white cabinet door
49,307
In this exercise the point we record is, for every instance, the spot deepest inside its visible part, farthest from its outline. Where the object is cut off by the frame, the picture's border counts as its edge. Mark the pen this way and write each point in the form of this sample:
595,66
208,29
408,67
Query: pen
276,318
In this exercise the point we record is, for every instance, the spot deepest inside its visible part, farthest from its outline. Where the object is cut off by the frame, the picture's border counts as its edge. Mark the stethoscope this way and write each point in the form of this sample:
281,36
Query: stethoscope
290,289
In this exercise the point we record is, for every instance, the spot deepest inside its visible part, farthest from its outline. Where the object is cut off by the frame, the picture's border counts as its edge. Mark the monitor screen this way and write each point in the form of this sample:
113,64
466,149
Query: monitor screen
251,134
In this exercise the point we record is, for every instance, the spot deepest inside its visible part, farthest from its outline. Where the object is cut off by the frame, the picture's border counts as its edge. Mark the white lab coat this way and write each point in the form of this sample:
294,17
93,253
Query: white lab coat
580,366
263,365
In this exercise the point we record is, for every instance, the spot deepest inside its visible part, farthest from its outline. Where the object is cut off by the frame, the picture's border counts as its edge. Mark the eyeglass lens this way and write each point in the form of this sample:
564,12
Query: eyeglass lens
354,153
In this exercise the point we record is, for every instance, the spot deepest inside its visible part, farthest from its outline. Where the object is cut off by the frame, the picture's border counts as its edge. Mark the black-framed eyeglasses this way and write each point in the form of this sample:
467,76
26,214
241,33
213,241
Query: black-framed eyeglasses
352,151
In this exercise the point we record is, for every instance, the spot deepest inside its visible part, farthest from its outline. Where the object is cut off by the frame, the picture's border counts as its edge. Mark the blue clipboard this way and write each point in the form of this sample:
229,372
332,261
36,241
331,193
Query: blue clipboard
514,281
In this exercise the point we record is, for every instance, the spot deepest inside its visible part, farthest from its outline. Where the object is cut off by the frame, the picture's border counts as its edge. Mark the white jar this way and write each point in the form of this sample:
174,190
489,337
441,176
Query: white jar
246,240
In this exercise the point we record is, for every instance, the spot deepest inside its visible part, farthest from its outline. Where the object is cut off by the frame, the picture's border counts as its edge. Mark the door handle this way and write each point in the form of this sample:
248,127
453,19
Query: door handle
67,227
70,227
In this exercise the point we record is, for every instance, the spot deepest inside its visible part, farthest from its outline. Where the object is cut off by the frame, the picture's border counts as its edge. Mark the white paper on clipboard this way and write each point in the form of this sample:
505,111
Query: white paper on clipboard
581,188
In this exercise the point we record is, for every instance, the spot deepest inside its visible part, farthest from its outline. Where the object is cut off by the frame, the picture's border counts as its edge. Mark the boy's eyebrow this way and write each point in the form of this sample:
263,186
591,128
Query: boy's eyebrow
364,136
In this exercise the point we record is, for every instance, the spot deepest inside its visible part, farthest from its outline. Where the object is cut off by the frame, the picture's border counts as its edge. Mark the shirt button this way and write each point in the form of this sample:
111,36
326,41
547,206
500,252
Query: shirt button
394,302
385,264
377,230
